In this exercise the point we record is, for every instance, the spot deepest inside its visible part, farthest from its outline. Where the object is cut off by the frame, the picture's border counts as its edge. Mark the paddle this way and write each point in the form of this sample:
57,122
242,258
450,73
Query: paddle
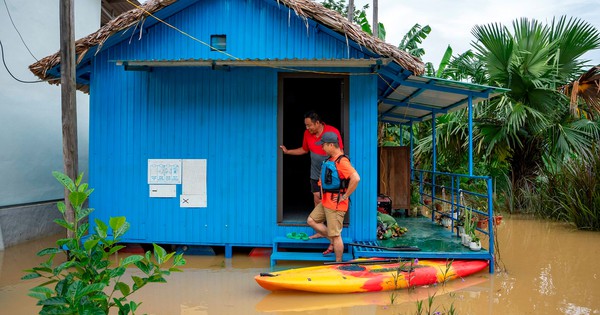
361,262
400,249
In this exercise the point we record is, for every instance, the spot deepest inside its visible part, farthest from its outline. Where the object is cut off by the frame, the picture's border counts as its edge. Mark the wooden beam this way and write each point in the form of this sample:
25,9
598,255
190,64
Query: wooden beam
375,18
68,100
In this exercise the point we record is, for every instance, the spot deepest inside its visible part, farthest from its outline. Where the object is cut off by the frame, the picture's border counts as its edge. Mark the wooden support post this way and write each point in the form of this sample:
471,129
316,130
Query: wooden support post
376,18
68,101
351,11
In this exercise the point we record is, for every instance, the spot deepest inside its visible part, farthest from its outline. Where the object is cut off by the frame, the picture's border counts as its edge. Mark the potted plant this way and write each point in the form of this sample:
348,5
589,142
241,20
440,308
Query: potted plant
446,220
482,223
475,244
469,227
460,223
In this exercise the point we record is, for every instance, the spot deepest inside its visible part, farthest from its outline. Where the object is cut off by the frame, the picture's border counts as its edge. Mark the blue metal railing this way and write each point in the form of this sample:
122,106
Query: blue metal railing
458,192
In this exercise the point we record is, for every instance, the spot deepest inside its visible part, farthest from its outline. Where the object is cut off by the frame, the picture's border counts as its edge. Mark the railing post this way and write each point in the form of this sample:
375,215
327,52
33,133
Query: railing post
412,173
433,144
490,223
401,135
470,135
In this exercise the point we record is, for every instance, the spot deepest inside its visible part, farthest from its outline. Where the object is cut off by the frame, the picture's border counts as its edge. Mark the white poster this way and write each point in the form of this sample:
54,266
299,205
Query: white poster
193,188
166,172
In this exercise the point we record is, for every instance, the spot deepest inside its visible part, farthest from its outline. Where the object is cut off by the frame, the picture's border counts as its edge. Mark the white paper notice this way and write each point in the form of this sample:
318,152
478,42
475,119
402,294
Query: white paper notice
193,189
164,171
163,191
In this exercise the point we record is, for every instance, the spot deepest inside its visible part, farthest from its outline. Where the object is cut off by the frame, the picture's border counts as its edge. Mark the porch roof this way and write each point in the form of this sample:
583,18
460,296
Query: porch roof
404,98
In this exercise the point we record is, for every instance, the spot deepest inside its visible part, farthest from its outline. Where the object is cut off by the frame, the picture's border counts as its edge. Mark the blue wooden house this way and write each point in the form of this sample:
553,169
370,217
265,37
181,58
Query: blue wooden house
190,99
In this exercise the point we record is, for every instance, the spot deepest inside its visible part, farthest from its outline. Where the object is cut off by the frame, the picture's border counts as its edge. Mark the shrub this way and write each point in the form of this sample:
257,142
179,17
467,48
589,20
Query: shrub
85,283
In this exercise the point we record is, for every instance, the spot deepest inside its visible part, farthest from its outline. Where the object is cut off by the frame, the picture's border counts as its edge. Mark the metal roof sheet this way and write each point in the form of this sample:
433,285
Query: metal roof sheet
284,62
406,98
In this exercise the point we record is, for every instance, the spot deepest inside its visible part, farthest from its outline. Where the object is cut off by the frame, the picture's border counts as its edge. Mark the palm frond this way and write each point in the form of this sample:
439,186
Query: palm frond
574,37
494,45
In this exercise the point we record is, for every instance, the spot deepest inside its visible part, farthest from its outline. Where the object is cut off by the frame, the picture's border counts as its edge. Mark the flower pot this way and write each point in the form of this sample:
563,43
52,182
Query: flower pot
466,239
475,246
424,211
461,231
482,224
446,222
497,220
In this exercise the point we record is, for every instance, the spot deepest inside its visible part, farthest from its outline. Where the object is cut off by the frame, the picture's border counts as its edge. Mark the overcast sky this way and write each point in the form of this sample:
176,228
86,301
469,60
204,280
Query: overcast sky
451,21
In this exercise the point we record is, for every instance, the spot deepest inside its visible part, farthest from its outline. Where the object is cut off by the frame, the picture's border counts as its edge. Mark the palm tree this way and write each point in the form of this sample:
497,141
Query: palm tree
530,126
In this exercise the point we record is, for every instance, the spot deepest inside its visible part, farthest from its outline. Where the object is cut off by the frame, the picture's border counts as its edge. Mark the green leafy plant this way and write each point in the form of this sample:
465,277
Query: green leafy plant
469,223
86,283
447,273
398,275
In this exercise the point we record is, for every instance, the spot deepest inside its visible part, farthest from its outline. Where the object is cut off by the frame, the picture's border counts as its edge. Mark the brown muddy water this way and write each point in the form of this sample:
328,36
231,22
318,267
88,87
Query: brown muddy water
547,268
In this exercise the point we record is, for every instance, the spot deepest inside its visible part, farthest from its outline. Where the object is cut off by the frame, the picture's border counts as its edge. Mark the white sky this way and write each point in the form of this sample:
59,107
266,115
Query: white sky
451,21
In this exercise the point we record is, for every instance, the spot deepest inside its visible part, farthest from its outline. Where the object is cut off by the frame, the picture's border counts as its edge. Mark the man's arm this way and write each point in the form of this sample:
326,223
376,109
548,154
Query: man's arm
354,179
297,151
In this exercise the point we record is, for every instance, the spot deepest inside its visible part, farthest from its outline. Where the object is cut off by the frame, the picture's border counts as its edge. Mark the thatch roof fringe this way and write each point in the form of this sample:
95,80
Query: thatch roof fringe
303,8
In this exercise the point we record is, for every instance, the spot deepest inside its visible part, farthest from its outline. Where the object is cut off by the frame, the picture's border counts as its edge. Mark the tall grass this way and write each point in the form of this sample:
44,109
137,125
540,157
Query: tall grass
578,198
570,194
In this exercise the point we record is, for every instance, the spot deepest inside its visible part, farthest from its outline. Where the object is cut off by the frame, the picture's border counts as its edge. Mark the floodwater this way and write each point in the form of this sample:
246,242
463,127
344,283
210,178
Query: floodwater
546,268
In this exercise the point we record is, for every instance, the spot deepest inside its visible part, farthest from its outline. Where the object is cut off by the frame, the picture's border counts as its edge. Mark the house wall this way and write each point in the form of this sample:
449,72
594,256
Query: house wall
228,118
30,117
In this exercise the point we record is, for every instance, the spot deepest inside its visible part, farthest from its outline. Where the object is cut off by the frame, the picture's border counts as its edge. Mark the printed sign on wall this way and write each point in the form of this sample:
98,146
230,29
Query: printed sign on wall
166,172
193,190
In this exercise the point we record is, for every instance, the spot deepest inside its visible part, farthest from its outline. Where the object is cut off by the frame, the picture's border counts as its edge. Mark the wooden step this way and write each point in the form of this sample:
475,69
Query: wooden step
305,256
282,242
321,240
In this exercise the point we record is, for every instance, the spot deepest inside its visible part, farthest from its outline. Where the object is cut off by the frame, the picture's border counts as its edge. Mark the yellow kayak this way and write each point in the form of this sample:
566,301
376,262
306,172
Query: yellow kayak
369,275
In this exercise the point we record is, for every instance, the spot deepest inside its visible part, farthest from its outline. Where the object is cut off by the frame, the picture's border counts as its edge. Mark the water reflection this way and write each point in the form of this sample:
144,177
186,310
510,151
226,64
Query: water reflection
550,268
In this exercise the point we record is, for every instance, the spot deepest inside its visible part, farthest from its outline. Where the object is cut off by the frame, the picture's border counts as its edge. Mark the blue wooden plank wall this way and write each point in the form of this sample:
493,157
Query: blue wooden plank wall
226,117
363,135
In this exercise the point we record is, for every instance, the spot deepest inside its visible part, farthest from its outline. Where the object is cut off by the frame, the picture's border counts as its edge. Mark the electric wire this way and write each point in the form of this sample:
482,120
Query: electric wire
8,70
16,29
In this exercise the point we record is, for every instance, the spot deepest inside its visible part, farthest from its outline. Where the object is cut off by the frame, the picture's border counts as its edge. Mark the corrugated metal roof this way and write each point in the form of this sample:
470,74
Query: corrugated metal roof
284,62
405,98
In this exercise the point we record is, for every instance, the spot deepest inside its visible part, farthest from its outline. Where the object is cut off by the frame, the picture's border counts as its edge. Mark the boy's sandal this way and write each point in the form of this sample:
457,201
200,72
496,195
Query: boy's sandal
328,251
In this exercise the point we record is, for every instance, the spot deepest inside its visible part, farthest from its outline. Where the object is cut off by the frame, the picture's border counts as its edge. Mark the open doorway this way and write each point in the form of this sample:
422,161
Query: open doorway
298,94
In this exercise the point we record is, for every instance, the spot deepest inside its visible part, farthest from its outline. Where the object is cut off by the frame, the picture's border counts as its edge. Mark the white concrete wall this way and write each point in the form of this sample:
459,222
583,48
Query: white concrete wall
30,117
30,114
